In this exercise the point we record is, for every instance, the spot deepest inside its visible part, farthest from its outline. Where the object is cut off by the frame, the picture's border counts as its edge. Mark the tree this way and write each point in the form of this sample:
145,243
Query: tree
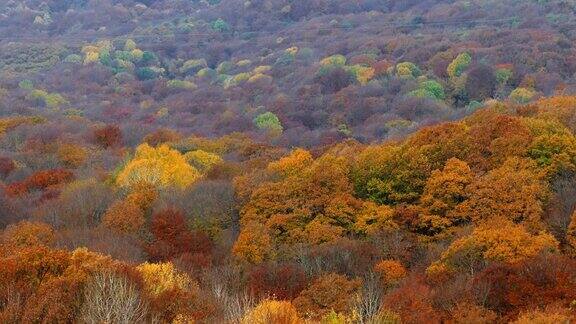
108,136
545,317
7,165
314,205
172,238
28,234
162,167
542,282
413,302
282,281
272,311
162,136
268,121
40,180
328,292
407,70
501,241
514,191
373,218
220,25
142,195
202,160
254,244
71,155
390,271
444,191
391,174
112,298
292,164
481,82
571,232
162,277
468,313
430,89
522,95
124,217
459,64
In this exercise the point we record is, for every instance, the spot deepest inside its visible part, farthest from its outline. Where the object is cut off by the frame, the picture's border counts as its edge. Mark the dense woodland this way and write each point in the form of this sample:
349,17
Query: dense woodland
278,161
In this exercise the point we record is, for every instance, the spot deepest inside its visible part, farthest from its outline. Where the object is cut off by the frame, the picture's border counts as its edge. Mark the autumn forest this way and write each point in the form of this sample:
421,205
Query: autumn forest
288,161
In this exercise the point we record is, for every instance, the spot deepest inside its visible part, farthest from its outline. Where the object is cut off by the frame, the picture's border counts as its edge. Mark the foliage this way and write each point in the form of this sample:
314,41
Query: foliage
501,241
71,155
161,167
268,121
123,217
161,277
522,95
390,271
514,191
337,59
220,25
328,292
283,282
272,311
407,70
202,160
254,244
459,64
108,136
429,89
445,190
28,234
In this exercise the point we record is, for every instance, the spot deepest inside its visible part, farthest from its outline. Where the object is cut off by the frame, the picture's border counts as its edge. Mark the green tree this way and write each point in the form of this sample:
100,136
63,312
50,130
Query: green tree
268,121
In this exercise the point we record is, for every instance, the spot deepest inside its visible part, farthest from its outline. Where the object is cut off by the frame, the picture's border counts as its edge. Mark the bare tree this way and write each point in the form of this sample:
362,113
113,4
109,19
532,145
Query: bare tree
368,302
111,298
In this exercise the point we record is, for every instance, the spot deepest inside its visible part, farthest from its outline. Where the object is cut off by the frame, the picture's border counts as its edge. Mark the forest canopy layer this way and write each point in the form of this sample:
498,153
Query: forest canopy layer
276,161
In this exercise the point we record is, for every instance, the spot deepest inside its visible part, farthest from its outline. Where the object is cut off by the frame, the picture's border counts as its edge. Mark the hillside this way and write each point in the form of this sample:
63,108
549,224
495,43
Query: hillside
276,161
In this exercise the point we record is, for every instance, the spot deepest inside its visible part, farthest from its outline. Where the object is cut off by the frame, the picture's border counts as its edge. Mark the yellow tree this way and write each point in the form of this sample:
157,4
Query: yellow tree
161,167
444,190
514,191
272,311
161,277
254,244
373,218
501,241
202,160
292,164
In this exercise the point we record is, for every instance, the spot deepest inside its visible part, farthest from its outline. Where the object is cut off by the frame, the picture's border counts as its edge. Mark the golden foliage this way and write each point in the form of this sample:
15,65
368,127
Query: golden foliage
28,234
444,190
254,244
142,195
390,271
161,167
202,160
373,218
291,164
272,311
501,241
514,191
162,277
